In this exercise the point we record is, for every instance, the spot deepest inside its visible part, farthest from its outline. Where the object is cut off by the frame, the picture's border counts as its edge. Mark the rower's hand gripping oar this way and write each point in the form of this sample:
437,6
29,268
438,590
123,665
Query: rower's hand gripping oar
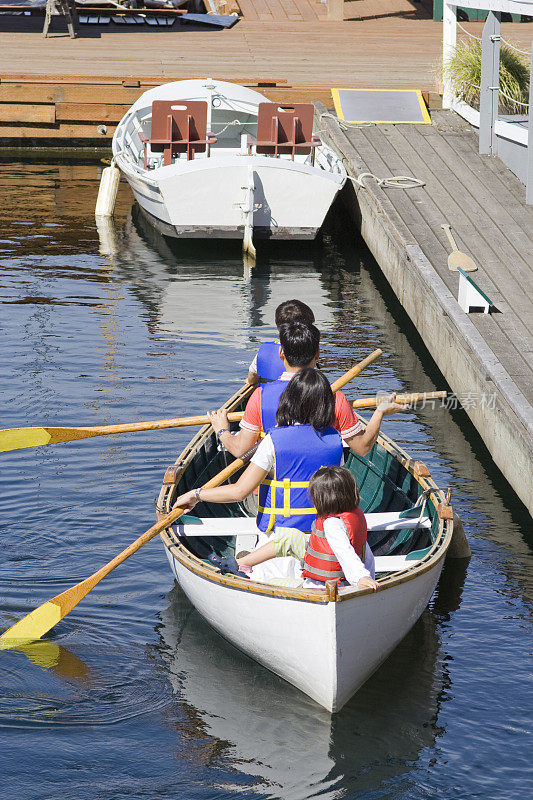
19,438
42,619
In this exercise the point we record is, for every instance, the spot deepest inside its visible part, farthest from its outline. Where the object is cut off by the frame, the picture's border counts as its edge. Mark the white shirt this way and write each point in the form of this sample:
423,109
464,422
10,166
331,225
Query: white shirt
337,537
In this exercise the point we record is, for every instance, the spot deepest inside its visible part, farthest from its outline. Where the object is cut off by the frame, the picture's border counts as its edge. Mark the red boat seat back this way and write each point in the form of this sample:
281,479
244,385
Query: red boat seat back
178,126
285,128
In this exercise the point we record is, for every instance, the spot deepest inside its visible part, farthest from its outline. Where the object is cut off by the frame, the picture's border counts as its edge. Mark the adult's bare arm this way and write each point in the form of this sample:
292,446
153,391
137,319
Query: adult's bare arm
362,443
236,444
229,493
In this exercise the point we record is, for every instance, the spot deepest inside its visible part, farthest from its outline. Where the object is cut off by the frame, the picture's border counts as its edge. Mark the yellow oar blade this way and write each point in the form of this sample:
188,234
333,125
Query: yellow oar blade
42,619
17,438
33,625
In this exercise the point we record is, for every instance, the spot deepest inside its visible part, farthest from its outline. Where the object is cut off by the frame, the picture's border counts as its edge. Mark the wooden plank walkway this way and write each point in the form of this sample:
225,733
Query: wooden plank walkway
487,359
484,203
399,49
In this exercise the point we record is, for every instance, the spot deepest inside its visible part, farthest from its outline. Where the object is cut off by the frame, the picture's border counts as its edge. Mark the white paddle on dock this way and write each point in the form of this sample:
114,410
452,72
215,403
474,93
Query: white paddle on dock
456,258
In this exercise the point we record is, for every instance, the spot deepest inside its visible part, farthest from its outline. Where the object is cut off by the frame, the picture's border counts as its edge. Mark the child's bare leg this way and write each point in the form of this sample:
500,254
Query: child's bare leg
264,553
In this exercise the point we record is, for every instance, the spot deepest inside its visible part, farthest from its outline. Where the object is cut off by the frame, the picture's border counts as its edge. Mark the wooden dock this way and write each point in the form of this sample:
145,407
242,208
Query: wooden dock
486,358
61,88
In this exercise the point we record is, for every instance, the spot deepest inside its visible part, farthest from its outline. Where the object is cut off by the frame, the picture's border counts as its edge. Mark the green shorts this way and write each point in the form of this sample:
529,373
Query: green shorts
290,542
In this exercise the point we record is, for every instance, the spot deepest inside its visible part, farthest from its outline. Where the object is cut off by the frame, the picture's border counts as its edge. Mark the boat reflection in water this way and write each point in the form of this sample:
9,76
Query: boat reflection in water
243,717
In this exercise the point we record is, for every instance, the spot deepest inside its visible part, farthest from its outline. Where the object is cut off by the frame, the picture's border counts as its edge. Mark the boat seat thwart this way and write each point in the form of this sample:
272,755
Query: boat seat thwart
285,129
191,526
178,126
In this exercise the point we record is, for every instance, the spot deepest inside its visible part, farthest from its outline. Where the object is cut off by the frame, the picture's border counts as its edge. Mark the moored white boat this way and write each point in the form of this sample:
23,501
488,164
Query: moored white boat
216,159
325,642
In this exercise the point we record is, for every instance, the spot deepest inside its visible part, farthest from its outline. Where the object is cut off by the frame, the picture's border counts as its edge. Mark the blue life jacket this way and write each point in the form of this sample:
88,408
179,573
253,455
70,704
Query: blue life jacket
300,451
270,395
269,364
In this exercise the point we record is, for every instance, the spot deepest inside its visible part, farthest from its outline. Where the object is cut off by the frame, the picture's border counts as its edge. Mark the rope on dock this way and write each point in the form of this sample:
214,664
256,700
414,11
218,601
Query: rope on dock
343,125
394,182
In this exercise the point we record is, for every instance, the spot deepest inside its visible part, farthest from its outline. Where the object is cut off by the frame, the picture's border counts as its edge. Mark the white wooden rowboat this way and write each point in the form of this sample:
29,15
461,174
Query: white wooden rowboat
325,642
197,167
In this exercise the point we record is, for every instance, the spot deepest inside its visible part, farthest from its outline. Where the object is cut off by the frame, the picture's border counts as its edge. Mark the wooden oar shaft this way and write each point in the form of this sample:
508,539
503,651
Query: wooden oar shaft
223,475
19,438
414,397
355,371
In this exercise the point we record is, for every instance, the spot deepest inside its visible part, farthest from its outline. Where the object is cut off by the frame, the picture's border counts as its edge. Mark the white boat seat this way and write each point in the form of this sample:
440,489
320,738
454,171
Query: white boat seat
397,563
238,526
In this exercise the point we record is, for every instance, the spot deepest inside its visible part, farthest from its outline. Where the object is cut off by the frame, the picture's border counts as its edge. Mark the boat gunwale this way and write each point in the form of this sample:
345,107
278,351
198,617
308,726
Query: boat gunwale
182,168
196,565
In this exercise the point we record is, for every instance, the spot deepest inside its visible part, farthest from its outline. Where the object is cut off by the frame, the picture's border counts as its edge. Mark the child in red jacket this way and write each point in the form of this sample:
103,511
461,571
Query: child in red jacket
337,548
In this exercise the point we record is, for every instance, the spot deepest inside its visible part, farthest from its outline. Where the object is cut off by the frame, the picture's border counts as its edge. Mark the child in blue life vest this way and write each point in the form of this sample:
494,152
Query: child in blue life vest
337,547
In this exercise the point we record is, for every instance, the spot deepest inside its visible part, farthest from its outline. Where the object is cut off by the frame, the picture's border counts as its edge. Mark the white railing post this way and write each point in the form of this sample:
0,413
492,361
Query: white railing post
449,40
490,82
529,176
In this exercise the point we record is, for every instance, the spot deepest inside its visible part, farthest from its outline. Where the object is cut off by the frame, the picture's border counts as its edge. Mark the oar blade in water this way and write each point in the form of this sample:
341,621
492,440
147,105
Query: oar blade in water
39,621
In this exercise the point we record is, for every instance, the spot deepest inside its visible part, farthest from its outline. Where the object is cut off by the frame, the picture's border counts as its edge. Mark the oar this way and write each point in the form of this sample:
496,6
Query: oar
457,258
404,399
18,438
38,622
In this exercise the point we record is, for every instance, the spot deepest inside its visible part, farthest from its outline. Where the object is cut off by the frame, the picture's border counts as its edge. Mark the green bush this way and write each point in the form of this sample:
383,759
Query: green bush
463,70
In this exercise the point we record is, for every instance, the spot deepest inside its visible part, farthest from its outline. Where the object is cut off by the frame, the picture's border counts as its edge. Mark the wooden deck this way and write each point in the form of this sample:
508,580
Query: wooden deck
484,203
486,359
382,43
62,88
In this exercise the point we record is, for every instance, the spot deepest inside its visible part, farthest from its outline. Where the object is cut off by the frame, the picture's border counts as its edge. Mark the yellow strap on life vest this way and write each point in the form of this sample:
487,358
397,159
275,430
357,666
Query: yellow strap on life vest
281,484
283,511
286,497
286,484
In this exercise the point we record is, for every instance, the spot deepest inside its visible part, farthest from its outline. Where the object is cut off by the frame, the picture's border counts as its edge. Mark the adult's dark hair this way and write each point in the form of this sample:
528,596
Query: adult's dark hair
300,342
308,399
293,311
333,490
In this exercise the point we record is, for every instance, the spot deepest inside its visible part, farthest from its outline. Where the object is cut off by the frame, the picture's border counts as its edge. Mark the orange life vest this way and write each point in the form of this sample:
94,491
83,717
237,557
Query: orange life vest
320,563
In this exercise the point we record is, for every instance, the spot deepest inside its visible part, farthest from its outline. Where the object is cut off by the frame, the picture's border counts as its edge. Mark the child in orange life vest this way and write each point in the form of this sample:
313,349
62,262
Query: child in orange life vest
337,548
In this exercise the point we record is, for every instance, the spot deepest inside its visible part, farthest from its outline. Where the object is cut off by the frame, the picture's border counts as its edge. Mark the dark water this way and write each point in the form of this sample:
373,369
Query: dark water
132,695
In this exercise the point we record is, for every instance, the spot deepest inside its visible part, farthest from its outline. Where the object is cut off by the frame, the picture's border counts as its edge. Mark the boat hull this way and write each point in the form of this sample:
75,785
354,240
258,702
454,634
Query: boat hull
327,650
204,198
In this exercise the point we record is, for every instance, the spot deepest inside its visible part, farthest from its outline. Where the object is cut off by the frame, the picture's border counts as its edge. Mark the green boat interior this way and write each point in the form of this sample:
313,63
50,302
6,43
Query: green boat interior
385,485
